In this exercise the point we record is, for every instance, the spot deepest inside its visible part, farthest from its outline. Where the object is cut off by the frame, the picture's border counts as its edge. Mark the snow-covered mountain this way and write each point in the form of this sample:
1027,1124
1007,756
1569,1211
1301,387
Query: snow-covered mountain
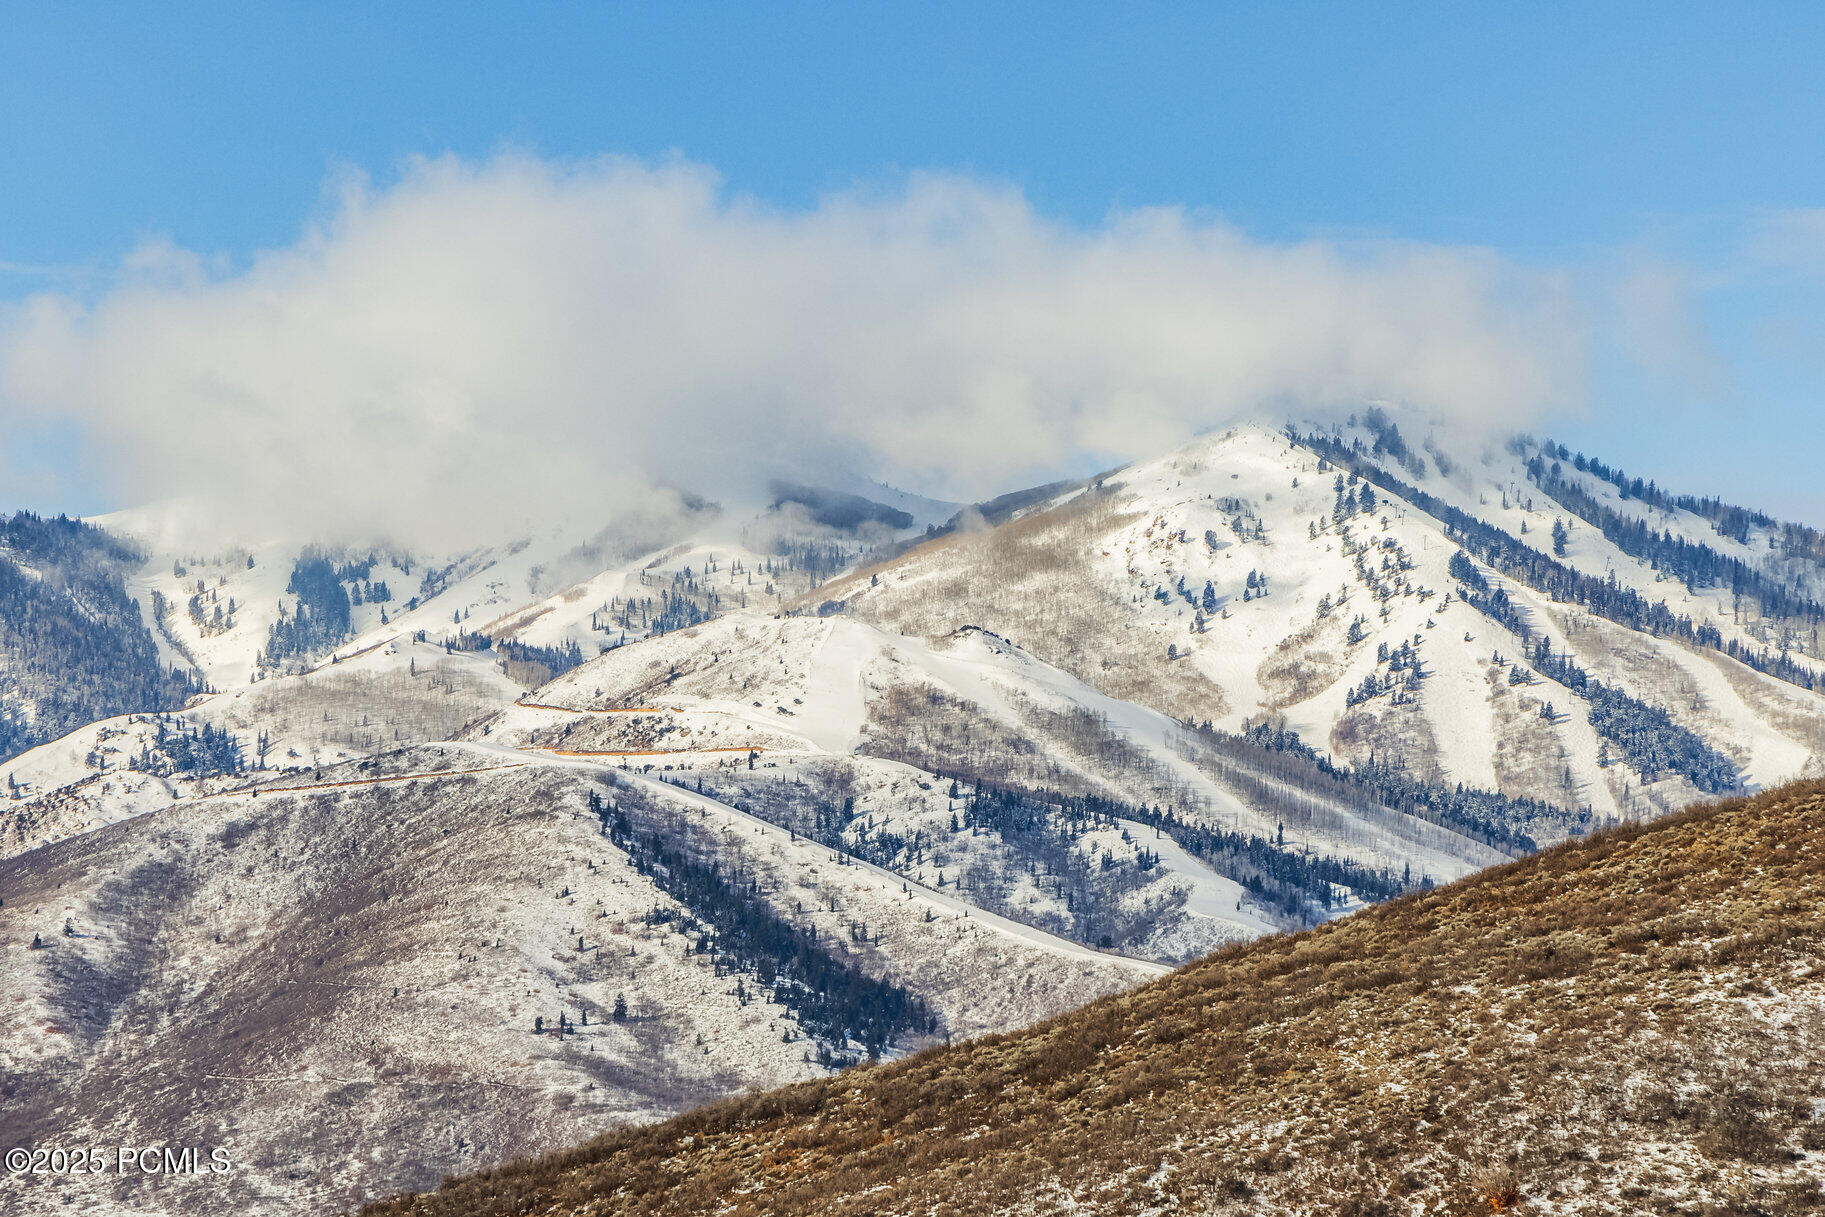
849,771
237,614
1389,602
305,968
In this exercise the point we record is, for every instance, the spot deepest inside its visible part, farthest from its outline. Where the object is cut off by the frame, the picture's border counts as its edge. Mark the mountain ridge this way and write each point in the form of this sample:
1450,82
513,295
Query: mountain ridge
1067,740
1454,1050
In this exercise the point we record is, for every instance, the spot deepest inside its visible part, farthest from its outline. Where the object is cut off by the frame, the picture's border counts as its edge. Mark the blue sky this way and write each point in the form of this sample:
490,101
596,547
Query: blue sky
1644,148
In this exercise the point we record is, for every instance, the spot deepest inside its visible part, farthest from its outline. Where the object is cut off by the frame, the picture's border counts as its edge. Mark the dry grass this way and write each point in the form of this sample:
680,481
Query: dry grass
1630,1023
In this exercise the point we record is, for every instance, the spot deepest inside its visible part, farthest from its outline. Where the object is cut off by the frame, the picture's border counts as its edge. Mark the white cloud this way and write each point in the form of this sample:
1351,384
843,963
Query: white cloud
1792,238
1660,326
483,341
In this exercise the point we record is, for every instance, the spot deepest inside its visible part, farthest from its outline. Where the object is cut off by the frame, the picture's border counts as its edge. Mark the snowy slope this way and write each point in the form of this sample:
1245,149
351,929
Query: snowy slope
295,974
396,694
1093,586
560,584
824,702
1015,766
1222,583
1108,585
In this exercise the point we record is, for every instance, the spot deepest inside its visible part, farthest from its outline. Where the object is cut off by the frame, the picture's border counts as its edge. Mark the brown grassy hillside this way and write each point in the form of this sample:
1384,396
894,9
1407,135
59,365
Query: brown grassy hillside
1631,1023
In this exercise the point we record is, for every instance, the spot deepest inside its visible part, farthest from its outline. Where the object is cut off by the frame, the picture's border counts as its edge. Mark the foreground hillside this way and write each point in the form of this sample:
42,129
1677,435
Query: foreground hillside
1630,1023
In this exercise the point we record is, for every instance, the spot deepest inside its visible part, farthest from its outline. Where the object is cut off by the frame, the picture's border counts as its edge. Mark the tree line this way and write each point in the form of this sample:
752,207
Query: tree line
1605,597
321,618
831,996
1645,734
1488,816
1696,565
75,646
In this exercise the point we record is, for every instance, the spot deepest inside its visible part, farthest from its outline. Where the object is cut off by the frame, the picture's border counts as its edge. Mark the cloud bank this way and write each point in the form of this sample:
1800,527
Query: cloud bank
481,343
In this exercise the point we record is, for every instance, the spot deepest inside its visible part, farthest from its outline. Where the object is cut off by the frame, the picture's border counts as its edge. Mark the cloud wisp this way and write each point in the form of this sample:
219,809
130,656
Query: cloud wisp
482,343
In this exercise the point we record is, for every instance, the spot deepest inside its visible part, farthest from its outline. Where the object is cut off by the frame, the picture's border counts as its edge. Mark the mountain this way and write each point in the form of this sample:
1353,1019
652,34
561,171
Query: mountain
534,949
325,655
1633,1022
856,772
1267,648
964,762
72,645
1397,607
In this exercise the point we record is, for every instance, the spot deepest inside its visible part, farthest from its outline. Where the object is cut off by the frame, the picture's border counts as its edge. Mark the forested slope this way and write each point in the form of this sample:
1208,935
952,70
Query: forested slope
73,647
1630,1023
